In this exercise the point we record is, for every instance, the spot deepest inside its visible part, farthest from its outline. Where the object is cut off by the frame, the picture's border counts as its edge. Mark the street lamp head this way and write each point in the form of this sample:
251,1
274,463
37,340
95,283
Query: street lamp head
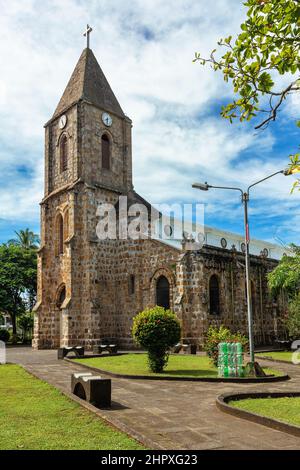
201,186
291,171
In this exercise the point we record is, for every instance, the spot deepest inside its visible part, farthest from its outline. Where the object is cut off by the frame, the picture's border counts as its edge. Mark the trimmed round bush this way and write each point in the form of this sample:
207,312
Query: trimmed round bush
4,335
215,335
156,330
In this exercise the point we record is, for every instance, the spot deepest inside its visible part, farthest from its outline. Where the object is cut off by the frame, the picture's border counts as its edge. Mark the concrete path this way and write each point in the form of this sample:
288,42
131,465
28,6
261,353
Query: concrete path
172,415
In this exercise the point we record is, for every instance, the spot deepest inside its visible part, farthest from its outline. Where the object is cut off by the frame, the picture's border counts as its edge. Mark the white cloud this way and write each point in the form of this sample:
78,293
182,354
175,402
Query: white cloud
293,106
145,49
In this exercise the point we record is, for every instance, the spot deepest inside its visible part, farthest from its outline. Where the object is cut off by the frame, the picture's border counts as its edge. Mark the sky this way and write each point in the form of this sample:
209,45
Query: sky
145,48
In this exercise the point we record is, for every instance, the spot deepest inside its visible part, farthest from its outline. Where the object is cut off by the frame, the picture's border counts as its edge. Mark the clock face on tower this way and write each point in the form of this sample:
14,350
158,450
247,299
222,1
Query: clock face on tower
107,119
63,121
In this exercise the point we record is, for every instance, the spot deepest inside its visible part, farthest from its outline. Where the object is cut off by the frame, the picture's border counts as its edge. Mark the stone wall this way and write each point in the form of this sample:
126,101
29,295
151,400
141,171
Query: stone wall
96,274
74,194
193,275
119,177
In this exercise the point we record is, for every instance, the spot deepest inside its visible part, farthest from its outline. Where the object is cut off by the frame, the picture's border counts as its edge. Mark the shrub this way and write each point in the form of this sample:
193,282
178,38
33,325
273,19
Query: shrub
214,336
4,335
292,322
156,330
25,322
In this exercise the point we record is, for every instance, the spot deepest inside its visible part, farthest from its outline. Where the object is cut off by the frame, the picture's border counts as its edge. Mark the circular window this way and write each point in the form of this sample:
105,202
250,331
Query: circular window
168,230
243,247
223,243
201,237
266,252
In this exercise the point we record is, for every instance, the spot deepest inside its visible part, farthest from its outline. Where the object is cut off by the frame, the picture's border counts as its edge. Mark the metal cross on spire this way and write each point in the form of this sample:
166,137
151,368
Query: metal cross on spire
87,34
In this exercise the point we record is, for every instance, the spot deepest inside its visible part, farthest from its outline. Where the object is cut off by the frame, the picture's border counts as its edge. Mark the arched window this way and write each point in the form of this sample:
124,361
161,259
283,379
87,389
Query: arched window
105,152
163,292
61,296
214,296
60,234
66,225
132,284
63,153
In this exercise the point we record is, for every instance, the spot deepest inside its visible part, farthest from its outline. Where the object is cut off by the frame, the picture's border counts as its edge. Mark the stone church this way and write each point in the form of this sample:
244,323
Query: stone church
90,289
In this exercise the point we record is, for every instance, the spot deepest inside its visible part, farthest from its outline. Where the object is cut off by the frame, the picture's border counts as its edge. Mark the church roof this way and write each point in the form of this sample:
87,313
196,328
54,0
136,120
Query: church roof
89,83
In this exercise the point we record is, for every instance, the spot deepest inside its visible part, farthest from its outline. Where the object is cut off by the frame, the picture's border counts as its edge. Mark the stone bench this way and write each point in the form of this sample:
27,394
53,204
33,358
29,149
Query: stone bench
63,352
110,348
180,347
92,388
285,345
177,348
186,348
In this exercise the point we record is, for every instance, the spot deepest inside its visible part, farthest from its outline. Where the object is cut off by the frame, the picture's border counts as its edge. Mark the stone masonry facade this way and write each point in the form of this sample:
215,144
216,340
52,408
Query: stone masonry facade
90,289
194,272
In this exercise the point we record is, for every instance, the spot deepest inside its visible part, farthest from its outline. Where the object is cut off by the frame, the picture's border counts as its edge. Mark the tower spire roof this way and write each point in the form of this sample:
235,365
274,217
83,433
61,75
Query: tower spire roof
89,83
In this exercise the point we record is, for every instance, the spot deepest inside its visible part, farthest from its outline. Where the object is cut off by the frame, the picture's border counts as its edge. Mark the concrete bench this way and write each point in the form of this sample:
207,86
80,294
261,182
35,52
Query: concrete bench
92,388
110,348
186,348
177,348
63,352
180,347
285,345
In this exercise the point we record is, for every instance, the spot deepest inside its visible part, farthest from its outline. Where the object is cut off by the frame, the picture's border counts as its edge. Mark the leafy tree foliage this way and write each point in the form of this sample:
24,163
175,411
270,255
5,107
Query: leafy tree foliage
267,47
216,335
18,273
25,322
156,330
4,335
287,274
26,239
292,322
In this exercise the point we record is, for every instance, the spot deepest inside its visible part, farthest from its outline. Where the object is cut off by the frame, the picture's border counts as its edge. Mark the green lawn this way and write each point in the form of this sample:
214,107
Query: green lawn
36,416
283,409
136,364
277,355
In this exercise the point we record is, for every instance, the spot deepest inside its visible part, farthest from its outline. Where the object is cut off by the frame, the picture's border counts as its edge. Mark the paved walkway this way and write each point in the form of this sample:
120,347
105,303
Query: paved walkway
173,415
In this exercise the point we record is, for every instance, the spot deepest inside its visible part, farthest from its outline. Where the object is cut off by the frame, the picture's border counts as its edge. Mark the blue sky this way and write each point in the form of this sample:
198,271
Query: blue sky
145,48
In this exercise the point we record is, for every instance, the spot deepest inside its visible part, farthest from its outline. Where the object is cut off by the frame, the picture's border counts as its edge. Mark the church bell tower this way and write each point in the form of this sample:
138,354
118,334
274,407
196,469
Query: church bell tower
88,159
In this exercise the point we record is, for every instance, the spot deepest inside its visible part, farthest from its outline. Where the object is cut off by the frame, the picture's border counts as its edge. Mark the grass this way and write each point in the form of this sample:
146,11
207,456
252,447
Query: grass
277,355
36,416
178,365
283,409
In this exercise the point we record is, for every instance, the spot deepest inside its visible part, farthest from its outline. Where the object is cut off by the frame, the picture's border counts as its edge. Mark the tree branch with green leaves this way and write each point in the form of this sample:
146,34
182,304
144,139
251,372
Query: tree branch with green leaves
267,48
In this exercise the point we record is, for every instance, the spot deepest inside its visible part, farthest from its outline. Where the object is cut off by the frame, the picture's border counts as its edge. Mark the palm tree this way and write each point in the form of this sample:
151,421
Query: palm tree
26,239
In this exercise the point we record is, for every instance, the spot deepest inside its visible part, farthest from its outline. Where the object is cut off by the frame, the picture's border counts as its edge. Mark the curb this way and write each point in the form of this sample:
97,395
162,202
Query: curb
268,358
222,403
280,378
